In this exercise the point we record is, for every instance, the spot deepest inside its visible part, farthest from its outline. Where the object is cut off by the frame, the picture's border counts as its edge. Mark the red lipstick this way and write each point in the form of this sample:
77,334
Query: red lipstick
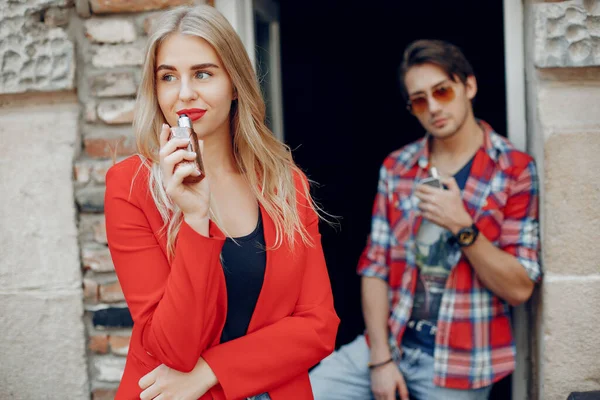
194,113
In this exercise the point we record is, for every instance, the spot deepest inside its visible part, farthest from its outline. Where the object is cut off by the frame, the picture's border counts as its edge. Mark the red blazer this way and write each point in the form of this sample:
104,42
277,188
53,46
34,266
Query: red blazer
179,308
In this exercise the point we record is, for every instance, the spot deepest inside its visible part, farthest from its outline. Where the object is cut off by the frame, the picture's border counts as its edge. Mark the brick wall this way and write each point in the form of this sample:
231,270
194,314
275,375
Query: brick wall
110,37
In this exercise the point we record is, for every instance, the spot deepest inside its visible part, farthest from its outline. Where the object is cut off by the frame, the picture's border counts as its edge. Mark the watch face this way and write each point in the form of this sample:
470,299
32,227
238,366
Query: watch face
466,236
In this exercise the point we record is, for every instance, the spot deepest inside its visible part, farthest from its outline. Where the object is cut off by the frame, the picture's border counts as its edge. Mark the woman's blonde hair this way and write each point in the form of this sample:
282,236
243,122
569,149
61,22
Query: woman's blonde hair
265,162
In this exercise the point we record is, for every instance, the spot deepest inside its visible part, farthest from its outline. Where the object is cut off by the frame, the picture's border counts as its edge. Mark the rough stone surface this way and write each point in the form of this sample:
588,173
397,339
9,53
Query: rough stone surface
119,345
114,84
89,113
92,228
100,232
34,56
55,16
567,34
90,199
110,369
104,394
118,55
43,345
91,290
109,145
111,292
114,112
124,6
110,30
97,258
571,200
38,234
98,344
571,350
565,107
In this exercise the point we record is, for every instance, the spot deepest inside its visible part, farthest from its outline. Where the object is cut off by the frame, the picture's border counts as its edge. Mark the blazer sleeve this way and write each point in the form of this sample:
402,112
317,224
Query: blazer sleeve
173,305
275,354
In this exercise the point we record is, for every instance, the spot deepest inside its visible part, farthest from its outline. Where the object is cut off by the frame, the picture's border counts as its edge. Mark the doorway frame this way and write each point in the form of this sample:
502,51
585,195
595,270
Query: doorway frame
240,14
516,126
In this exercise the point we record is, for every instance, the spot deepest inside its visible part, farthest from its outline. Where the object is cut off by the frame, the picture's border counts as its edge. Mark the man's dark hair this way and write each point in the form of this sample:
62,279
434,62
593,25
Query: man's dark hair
445,55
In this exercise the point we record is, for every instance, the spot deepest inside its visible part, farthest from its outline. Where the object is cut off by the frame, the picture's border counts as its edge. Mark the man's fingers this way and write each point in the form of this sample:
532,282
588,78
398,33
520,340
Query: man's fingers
402,390
451,184
426,197
426,189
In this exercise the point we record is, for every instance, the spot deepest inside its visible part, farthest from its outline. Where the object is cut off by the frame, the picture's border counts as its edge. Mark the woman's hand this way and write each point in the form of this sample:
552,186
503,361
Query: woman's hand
164,383
192,199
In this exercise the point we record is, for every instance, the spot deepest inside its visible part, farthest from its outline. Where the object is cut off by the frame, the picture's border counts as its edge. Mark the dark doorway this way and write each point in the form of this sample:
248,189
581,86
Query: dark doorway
343,110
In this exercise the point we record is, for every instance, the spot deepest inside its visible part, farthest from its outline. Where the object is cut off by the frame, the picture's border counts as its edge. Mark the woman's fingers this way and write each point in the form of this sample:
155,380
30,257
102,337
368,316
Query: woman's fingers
181,172
178,156
148,379
174,151
165,132
150,393
172,146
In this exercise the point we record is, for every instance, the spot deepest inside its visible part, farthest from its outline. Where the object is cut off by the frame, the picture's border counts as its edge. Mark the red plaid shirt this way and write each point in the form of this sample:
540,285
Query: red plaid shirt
474,345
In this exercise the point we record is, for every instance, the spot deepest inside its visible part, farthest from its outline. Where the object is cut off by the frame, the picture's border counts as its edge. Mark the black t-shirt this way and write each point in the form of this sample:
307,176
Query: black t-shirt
244,260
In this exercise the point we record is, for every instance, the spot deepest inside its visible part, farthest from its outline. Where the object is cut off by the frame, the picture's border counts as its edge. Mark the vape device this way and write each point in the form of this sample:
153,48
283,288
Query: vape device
434,180
184,130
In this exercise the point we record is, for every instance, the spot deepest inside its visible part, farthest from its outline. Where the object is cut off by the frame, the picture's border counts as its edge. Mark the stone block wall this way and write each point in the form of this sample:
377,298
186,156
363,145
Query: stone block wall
564,131
43,340
69,71
110,37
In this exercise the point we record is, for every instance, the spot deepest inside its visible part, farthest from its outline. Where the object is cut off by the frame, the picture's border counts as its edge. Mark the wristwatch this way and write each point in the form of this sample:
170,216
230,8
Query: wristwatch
467,236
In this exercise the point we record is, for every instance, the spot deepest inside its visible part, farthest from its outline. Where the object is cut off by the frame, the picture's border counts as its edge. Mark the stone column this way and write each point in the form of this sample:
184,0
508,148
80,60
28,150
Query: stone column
563,75
43,343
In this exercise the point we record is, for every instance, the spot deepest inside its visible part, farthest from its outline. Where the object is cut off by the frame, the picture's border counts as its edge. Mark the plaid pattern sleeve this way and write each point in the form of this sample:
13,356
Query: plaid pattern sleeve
374,259
520,229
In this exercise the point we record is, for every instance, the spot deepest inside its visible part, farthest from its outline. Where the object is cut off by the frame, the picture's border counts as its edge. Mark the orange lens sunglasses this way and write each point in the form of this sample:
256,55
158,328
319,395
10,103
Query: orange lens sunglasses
442,95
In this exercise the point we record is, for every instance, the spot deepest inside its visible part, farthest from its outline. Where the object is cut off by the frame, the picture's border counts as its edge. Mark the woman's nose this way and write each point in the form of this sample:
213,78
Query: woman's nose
187,92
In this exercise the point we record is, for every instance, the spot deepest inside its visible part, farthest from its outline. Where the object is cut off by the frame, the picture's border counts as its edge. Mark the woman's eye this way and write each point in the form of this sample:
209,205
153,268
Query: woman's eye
202,75
168,78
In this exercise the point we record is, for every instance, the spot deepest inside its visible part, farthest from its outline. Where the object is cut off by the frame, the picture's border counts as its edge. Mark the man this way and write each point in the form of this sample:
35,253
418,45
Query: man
442,265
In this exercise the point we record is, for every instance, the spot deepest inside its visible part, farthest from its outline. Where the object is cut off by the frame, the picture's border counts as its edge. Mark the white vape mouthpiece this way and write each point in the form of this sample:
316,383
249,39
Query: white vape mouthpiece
434,172
184,121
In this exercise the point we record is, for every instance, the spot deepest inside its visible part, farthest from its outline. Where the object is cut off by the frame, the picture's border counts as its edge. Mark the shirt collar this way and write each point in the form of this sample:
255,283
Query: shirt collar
421,156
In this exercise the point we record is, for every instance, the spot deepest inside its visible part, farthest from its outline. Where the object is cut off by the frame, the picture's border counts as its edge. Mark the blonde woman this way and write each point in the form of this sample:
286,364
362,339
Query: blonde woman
225,278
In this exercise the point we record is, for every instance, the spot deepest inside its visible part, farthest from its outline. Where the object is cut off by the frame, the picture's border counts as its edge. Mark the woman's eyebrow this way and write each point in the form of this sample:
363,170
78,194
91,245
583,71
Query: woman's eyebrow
192,68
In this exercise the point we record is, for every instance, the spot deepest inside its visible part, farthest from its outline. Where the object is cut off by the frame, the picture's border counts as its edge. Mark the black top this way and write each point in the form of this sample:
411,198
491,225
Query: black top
244,265
462,176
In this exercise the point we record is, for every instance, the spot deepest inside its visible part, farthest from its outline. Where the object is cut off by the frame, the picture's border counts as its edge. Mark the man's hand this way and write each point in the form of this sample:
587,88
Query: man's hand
444,207
386,381
165,383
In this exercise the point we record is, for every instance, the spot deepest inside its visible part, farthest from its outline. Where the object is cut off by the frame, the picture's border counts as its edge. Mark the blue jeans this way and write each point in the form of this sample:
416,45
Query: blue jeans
344,375
264,396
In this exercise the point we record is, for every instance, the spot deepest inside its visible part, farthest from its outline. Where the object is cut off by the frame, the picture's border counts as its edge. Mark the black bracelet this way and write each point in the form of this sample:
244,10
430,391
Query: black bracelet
373,366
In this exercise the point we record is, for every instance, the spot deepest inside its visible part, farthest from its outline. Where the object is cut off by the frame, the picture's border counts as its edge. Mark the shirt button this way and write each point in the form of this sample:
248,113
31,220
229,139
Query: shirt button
423,163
